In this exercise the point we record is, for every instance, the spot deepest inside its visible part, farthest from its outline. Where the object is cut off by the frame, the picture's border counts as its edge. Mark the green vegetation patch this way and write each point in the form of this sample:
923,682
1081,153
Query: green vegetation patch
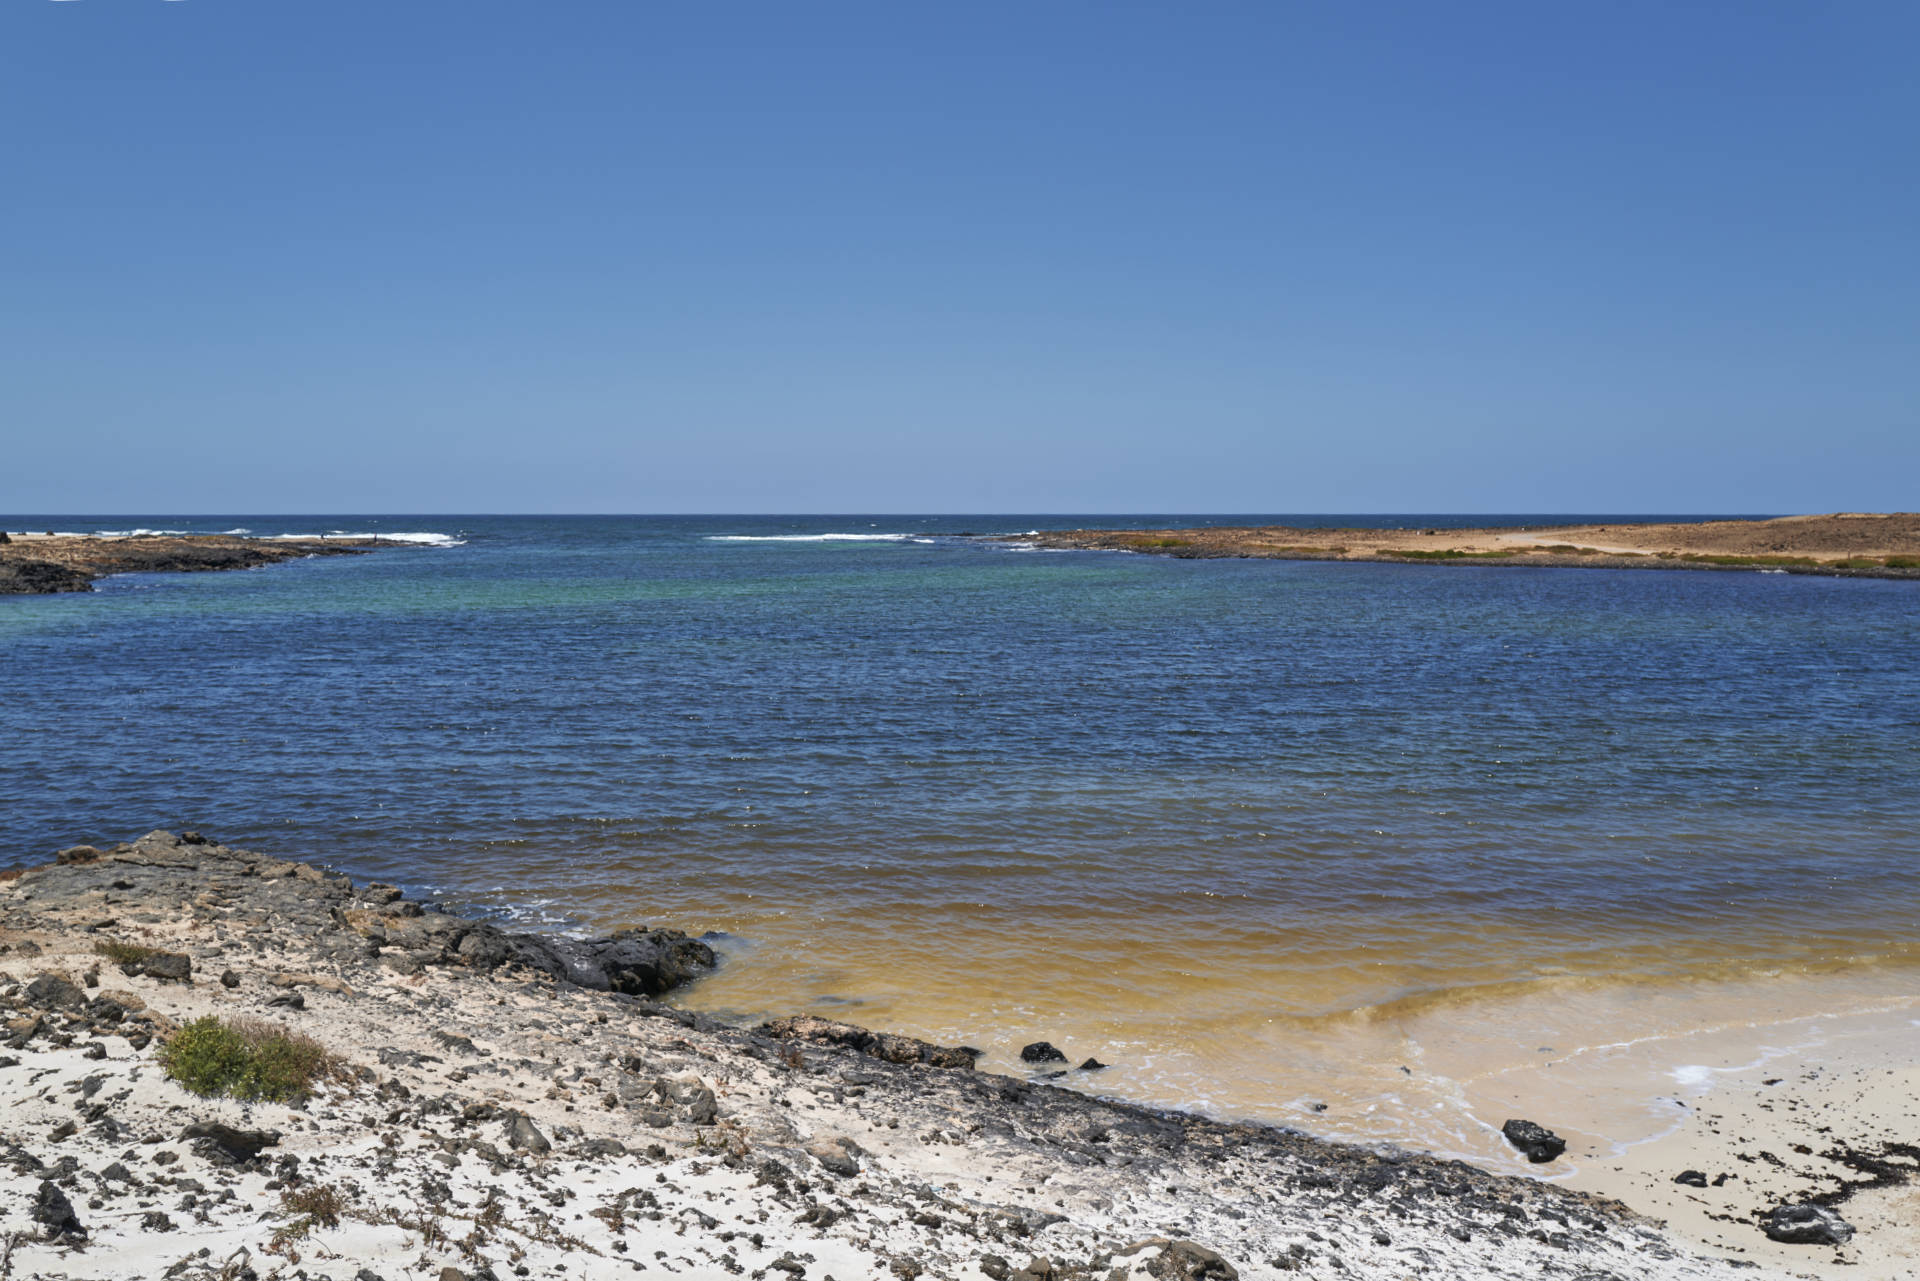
1444,554
245,1058
1903,562
122,953
1161,542
1703,559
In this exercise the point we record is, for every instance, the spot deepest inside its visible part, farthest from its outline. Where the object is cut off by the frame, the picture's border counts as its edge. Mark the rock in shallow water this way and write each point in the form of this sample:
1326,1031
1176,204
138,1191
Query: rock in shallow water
1536,1141
1041,1052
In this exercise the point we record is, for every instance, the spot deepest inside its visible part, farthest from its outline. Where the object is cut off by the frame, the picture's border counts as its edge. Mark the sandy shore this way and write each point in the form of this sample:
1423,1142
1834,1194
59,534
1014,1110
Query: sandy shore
44,563
1848,544
1842,1127
497,1113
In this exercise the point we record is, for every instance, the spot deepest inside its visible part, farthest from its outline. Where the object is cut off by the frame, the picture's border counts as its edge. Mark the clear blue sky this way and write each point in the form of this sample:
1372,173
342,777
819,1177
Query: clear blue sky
604,255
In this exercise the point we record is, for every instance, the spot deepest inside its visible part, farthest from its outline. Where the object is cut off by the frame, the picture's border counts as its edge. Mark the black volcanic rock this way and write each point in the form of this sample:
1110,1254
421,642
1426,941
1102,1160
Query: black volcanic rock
1806,1224
52,1211
1536,1141
225,1145
1042,1052
34,577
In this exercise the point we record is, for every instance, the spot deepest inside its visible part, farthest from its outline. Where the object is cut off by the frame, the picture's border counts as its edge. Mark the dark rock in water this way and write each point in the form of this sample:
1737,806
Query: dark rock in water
1093,1065
51,992
1806,1224
879,1045
634,962
224,1145
523,1135
31,577
1041,1052
52,1211
641,962
1692,1178
1536,1141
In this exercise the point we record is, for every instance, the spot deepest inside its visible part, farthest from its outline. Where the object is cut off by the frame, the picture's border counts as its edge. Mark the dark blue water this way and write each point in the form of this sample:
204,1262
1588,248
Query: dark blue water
929,770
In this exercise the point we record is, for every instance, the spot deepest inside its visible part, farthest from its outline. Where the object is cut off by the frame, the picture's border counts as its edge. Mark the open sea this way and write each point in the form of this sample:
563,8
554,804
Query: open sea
1374,850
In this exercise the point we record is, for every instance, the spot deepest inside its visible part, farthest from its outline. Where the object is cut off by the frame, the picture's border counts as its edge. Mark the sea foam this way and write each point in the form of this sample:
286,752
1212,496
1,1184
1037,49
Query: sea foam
813,538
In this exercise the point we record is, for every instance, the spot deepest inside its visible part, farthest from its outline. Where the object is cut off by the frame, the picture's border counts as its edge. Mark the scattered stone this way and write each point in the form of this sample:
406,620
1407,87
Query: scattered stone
1806,1224
54,992
1538,1143
1041,1052
524,1136
229,980
225,1145
1692,1178
52,1211
835,1154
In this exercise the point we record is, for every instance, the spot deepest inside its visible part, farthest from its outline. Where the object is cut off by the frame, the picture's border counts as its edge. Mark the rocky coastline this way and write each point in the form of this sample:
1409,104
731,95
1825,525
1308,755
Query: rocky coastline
498,1104
49,563
1843,545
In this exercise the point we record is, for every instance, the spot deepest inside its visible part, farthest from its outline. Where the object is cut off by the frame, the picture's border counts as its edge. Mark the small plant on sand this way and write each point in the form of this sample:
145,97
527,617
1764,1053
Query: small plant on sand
246,1058
317,1205
1449,553
1903,562
123,953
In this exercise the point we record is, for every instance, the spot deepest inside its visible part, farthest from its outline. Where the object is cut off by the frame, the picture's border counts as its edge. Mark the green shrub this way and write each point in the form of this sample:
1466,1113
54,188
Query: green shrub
245,1058
1903,562
1702,558
124,953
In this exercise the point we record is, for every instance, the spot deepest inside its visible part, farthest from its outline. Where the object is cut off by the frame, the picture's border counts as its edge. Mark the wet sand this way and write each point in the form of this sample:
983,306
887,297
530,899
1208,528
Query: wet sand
1861,544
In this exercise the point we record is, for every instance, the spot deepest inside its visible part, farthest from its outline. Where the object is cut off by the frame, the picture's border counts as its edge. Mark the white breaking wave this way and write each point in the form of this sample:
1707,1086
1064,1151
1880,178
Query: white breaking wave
135,533
813,538
423,539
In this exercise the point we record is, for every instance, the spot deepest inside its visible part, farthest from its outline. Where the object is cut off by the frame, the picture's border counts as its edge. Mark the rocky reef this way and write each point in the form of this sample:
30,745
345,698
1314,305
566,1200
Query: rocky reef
71,563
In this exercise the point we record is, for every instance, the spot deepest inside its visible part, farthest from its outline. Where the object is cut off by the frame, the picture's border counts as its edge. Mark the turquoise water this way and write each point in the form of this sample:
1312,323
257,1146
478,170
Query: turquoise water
977,791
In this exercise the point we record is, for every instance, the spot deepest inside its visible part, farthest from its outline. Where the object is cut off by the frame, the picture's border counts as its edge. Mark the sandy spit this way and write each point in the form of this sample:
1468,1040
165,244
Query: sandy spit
1845,544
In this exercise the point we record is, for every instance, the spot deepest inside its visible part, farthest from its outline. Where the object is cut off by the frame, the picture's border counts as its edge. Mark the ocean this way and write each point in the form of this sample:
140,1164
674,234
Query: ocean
1374,850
